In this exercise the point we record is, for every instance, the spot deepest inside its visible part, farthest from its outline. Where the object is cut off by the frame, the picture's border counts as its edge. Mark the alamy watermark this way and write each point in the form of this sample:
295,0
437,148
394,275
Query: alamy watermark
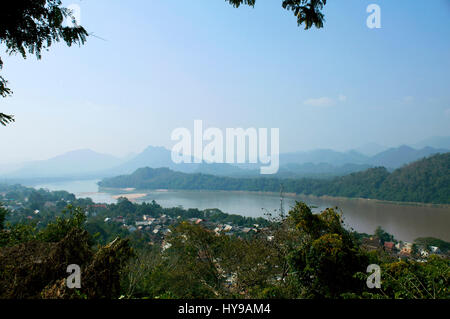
74,279
374,279
239,146
374,19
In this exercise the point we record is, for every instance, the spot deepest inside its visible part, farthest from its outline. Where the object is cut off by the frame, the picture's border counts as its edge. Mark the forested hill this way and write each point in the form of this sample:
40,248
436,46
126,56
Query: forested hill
426,181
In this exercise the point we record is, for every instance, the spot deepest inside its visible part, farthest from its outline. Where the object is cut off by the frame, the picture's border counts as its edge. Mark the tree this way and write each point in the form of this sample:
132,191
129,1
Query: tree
327,257
383,235
33,25
308,12
251,264
29,26
414,280
72,218
193,256
34,264
3,213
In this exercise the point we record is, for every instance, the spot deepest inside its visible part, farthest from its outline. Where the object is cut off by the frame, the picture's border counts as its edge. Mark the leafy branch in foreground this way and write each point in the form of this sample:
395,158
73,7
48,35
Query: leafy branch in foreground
29,26
4,91
308,12
5,119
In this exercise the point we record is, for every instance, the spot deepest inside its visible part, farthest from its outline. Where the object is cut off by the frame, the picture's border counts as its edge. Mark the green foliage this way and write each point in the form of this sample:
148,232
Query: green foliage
416,280
426,242
33,264
3,213
4,91
24,201
426,181
308,256
192,255
29,26
72,218
16,234
383,235
197,263
327,258
184,270
5,118
237,3
307,12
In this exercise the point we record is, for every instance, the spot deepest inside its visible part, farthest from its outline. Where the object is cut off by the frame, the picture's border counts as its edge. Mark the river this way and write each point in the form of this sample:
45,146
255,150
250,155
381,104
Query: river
406,222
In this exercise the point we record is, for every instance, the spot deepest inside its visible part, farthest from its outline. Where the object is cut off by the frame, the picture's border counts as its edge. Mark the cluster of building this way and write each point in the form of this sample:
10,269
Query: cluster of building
11,204
231,230
400,249
159,227
26,207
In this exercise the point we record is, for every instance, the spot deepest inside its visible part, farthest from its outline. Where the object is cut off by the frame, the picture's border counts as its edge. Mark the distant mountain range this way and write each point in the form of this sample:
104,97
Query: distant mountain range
391,158
371,149
435,142
323,156
321,162
75,163
397,157
153,156
317,163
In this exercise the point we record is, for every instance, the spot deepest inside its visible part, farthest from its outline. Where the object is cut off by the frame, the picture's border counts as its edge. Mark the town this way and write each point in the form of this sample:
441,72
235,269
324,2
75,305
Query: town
150,223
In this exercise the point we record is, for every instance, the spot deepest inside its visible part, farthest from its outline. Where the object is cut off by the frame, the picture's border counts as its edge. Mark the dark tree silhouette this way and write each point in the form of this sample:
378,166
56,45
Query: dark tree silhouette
308,12
28,26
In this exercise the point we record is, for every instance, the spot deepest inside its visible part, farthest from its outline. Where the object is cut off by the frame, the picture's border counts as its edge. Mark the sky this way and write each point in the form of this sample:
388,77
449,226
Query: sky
154,66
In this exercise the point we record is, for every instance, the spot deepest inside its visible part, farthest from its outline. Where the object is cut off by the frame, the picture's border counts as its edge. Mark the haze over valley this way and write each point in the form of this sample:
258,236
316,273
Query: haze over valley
275,151
323,163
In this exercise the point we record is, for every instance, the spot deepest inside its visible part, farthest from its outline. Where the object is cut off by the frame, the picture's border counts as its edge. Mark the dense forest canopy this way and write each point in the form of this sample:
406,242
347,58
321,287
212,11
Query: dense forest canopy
301,255
427,181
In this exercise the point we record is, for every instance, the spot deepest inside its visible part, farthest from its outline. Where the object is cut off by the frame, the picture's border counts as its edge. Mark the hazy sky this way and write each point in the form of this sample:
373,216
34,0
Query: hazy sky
165,63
